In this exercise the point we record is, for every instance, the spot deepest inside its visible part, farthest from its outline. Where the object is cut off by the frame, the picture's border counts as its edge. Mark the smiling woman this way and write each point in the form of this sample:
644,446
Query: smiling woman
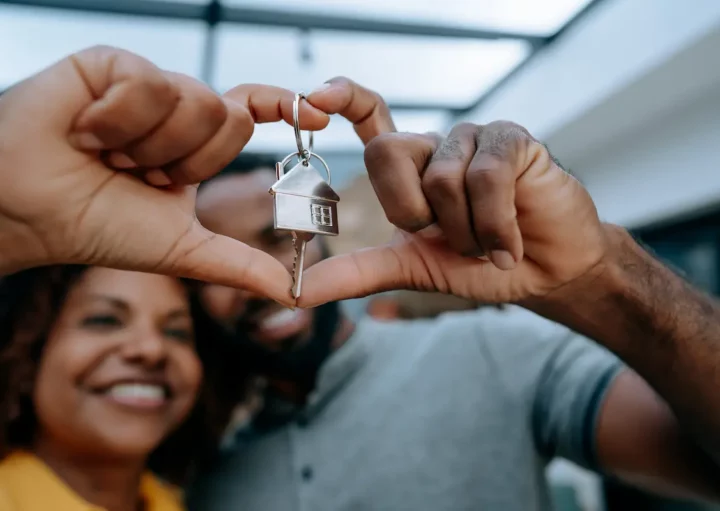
101,381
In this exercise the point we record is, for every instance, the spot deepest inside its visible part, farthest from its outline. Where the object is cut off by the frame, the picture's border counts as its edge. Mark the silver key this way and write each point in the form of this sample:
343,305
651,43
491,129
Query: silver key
300,240
304,203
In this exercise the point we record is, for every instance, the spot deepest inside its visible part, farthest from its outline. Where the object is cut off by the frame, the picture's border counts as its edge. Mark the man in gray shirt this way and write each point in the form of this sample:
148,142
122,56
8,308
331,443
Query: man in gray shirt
465,411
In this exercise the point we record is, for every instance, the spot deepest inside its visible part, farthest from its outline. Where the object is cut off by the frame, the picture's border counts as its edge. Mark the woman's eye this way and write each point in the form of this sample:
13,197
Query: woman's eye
180,334
101,320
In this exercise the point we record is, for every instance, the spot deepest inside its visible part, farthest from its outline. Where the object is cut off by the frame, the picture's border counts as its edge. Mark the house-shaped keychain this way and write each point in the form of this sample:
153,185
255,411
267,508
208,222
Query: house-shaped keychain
304,201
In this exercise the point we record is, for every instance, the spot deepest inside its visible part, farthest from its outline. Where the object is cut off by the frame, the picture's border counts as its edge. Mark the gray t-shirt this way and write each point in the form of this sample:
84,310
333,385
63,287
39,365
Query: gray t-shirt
458,413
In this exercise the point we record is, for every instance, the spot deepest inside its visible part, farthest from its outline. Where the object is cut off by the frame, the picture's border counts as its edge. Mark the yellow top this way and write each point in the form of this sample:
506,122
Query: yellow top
27,484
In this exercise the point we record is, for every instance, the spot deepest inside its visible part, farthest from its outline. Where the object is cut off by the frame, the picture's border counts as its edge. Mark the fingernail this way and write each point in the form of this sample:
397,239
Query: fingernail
321,88
502,259
86,141
121,161
157,177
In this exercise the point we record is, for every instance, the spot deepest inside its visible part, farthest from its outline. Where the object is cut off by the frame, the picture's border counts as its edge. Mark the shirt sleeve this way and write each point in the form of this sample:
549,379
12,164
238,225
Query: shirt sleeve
558,376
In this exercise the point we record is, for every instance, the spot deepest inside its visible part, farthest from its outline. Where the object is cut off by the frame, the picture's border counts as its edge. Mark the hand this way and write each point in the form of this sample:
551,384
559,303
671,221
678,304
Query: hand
98,157
490,191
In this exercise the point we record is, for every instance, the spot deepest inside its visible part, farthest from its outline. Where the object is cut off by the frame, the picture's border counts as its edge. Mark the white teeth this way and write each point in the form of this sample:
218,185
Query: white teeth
137,391
280,318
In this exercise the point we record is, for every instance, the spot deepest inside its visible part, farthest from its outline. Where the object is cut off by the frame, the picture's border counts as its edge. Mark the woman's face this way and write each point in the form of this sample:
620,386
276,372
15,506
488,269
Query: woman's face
119,370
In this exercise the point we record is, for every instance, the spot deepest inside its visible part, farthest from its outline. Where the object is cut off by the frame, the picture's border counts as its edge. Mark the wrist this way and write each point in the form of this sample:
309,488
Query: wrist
595,303
606,276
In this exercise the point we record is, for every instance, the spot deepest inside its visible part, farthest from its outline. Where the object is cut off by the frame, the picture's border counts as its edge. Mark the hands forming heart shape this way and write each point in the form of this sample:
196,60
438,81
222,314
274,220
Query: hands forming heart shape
100,155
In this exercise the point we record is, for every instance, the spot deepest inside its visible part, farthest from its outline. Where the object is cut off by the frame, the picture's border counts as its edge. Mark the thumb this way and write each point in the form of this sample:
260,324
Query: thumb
365,109
209,257
355,275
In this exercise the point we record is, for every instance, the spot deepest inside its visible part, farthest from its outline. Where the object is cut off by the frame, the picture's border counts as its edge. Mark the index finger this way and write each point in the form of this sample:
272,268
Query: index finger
266,103
363,107
395,163
246,105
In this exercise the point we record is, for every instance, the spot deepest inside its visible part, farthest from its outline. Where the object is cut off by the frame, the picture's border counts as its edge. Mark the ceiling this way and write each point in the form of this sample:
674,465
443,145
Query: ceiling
430,60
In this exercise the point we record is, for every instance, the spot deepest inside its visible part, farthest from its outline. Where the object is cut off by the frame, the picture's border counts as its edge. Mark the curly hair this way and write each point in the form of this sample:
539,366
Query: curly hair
29,304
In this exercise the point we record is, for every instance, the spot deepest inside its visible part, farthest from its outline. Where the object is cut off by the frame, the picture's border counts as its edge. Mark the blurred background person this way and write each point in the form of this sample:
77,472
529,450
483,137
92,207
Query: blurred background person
102,399
354,413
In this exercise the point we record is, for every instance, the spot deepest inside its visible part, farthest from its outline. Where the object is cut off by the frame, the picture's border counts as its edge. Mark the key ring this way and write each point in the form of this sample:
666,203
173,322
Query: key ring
282,164
304,153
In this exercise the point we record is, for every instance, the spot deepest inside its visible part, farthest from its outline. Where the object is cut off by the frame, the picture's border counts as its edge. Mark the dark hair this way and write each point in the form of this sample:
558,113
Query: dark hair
250,162
29,304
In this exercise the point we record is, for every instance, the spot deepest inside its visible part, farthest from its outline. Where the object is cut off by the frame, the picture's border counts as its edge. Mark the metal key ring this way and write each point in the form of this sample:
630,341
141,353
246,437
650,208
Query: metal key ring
304,153
310,155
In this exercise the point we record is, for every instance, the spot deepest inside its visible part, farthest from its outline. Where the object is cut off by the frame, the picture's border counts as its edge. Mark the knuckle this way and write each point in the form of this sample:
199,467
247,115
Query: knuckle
450,149
443,185
381,148
103,50
434,138
466,128
489,175
157,84
213,108
409,219
510,129
378,101
241,122
341,80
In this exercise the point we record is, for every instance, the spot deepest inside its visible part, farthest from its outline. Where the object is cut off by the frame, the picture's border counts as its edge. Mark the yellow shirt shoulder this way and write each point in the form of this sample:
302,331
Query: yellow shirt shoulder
27,484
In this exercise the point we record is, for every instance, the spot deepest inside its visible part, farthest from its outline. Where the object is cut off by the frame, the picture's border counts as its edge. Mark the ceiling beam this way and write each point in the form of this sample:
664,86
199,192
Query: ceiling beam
276,18
313,21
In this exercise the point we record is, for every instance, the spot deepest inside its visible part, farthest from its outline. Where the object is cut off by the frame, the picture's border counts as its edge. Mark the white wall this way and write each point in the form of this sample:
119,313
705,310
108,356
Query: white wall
629,99
666,168
616,44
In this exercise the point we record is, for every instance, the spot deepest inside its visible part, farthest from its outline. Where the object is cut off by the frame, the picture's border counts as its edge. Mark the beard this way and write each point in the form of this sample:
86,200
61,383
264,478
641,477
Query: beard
300,358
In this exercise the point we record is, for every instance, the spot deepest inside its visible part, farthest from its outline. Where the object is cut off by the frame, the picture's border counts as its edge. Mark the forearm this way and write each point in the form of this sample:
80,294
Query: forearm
657,323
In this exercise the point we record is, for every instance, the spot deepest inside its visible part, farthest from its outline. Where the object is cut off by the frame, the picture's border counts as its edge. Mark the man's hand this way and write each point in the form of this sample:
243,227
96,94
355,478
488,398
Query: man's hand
494,190
98,157
490,191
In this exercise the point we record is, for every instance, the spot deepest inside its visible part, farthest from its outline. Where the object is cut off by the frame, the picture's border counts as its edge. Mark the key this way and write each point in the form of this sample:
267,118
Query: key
303,201
300,240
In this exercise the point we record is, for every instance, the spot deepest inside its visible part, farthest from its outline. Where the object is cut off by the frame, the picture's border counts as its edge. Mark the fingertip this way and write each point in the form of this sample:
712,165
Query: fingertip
303,303
286,300
311,117
320,89
503,260
225,261
329,97
86,141
157,177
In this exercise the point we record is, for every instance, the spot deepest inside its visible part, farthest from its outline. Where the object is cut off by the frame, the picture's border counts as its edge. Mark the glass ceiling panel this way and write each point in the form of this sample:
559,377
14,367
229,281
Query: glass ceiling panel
173,45
537,17
339,136
191,2
194,2
404,69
